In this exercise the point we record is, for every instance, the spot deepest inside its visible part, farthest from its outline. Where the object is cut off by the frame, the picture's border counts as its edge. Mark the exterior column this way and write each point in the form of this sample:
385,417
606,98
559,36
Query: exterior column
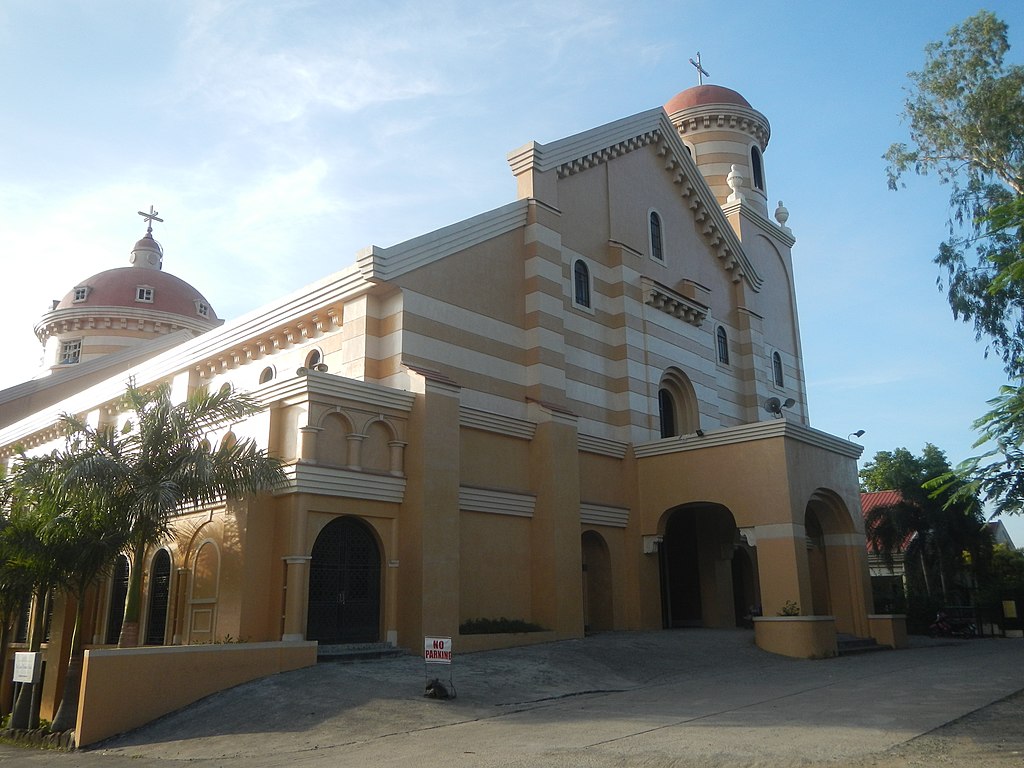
782,567
307,443
430,571
296,568
179,606
355,450
557,557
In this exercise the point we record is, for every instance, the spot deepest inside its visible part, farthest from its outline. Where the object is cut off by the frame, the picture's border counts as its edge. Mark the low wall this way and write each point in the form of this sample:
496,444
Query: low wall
123,688
492,642
889,629
802,637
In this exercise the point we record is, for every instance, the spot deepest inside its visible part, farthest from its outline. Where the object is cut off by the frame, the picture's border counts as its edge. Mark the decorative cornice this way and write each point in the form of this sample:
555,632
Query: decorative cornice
744,433
602,514
602,446
496,502
377,264
330,481
308,384
92,318
735,117
668,301
471,418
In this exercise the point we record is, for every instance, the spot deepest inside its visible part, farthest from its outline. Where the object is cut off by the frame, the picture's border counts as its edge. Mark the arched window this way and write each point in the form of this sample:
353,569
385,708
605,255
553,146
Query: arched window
722,341
581,283
666,413
267,374
777,369
314,358
755,168
657,246
159,598
678,413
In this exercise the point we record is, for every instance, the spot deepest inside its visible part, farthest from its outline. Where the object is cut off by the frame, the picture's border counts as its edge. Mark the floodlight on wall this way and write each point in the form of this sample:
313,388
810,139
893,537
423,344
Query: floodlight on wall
858,433
774,406
651,544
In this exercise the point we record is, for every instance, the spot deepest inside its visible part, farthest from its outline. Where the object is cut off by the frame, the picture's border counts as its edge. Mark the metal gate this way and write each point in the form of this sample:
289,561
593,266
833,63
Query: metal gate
344,584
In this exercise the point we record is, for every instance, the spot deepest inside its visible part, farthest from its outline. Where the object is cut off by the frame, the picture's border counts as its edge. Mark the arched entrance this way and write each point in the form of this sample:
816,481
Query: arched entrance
344,584
597,583
696,559
159,598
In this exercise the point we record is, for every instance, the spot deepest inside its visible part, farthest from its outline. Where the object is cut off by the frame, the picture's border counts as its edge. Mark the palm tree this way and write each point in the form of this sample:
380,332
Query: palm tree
65,539
161,462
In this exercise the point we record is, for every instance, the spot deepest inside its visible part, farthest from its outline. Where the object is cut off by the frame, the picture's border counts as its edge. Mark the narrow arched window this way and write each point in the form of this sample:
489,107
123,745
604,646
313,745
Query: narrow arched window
722,341
755,168
666,413
777,369
267,374
581,283
657,247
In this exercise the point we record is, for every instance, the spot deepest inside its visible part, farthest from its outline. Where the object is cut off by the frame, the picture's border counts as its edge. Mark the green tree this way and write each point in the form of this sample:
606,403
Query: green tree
965,111
943,536
997,475
160,463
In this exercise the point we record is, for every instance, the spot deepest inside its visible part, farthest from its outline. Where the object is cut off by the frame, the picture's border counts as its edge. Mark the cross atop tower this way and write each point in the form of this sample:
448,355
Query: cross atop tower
152,215
701,72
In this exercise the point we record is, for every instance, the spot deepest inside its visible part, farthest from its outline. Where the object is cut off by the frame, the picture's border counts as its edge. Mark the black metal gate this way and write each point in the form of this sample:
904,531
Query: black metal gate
344,584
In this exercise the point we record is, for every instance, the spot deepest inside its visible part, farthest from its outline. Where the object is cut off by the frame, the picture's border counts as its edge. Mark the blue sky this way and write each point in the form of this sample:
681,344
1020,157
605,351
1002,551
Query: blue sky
278,138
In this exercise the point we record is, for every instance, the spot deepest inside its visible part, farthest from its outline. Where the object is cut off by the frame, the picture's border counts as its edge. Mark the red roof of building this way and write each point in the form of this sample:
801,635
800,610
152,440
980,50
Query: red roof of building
705,94
874,499
117,288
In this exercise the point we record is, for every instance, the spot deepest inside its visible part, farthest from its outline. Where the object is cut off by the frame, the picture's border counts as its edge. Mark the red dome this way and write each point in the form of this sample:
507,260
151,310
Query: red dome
119,288
705,94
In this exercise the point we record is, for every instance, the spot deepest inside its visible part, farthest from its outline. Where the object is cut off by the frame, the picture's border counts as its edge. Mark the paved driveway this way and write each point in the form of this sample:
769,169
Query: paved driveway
684,697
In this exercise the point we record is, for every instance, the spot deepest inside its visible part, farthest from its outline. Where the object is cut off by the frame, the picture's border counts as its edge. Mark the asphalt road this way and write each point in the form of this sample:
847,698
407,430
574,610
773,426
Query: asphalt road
673,698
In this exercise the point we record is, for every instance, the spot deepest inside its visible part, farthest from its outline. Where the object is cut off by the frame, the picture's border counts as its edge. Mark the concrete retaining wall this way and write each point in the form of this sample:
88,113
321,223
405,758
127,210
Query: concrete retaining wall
127,687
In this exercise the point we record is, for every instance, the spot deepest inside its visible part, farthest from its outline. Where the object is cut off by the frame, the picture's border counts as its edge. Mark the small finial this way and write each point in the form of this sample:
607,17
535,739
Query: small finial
735,181
150,218
782,216
701,72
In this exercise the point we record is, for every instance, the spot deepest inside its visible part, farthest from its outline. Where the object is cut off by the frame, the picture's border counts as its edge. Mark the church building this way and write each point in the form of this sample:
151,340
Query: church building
585,410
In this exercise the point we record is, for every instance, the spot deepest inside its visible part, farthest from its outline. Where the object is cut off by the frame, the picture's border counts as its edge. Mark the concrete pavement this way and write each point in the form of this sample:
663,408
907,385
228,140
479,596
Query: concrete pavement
684,697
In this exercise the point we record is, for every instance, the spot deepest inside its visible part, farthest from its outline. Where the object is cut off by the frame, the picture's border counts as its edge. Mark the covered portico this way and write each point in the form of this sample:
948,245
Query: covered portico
774,504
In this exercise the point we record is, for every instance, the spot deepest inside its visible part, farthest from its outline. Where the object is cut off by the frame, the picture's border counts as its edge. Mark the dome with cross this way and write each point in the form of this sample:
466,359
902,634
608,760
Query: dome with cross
123,307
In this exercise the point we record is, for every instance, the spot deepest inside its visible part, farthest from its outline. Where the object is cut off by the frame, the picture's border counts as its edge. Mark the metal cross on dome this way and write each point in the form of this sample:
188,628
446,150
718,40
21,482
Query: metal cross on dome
701,72
153,216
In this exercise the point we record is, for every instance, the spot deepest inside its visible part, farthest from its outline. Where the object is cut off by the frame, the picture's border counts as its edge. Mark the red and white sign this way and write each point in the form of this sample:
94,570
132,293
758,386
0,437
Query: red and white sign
437,650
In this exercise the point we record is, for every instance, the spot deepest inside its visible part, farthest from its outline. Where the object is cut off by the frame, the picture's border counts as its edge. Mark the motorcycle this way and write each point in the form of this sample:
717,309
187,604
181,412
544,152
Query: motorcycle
947,626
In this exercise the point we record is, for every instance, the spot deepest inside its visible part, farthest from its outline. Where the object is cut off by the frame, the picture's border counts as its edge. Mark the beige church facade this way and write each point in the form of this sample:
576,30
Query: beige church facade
585,409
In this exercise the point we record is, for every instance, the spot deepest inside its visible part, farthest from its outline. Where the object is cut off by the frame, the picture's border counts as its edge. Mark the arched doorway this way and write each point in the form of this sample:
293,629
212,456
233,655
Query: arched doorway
597,583
344,584
696,554
159,598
